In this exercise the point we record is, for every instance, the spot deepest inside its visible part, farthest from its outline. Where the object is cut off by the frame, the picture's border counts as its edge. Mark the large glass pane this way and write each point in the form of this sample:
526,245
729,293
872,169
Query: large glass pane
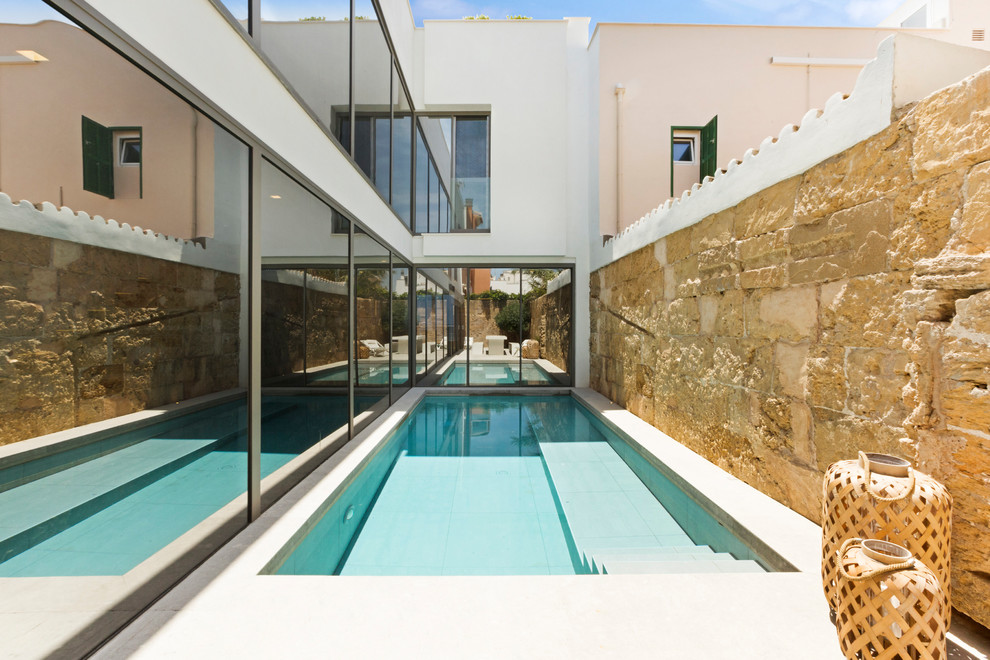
471,183
547,318
372,96
100,322
326,324
433,210
402,135
383,145
422,323
434,322
373,341
283,326
400,329
309,45
437,136
422,184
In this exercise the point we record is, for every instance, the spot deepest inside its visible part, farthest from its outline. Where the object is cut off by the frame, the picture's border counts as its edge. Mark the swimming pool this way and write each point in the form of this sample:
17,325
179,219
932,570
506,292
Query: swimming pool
104,507
516,485
368,373
497,373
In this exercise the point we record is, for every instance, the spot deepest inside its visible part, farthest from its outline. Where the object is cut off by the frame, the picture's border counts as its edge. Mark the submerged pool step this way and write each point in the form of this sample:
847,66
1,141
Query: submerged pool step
601,563
730,565
618,526
597,561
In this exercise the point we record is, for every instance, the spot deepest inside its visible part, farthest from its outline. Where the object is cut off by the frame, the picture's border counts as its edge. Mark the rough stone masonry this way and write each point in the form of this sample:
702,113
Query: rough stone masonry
88,333
847,308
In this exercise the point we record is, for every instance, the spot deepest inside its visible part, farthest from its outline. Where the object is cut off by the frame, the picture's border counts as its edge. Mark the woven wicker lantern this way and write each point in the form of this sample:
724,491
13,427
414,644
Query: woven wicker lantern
890,606
882,497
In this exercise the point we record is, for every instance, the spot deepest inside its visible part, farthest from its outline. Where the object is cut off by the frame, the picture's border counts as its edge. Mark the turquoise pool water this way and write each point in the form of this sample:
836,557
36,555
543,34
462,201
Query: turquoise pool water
368,373
515,485
105,507
497,373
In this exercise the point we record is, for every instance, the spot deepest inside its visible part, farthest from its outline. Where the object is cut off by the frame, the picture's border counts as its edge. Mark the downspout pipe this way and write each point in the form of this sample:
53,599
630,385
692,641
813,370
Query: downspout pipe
620,92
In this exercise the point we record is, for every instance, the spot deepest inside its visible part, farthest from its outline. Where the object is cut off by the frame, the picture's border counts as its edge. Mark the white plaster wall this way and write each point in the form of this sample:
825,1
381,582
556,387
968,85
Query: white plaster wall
231,74
520,70
580,101
401,26
727,73
915,77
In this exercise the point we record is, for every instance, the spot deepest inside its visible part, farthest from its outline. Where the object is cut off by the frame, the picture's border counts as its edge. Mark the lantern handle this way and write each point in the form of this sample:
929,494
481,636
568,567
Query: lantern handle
865,462
883,570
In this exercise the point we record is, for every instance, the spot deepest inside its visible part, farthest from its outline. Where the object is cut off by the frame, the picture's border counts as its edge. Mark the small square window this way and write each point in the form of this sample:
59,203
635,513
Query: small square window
683,150
129,149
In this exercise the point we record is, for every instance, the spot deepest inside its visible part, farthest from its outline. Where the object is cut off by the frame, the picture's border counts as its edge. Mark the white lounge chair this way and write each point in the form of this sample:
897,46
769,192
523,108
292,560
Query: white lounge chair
400,344
496,344
375,347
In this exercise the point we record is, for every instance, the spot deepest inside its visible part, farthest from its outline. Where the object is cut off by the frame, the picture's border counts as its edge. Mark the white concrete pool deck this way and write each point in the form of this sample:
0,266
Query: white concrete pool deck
226,609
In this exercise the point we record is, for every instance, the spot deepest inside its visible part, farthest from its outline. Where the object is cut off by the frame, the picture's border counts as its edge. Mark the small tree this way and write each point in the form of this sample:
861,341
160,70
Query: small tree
507,320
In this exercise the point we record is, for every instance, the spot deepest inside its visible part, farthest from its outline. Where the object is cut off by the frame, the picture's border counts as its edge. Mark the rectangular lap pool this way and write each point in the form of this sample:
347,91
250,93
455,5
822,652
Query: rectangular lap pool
497,373
509,485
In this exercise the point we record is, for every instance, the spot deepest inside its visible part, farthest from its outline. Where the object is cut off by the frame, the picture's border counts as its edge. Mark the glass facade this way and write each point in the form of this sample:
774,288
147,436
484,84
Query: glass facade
113,321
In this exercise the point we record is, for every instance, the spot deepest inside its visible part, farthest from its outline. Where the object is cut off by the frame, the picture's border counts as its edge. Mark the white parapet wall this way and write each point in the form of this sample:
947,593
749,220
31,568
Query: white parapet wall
888,82
67,225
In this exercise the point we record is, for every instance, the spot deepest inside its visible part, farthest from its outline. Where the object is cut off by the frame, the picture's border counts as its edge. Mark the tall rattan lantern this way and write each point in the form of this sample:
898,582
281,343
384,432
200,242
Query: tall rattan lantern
882,497
890,606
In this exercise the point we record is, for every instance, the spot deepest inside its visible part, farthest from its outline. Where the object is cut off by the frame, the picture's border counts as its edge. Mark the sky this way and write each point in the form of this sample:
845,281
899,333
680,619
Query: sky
755,12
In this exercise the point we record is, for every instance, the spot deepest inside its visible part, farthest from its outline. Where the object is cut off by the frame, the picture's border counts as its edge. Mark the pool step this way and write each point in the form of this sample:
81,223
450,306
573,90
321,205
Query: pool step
696,566
618,526
38,510
597,561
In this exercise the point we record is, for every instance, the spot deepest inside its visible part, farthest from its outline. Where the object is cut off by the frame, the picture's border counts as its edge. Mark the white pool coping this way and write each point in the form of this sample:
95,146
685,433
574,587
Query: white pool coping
226,609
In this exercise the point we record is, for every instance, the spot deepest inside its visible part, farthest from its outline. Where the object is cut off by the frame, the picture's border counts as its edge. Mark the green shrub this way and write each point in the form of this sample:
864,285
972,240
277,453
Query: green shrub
507,321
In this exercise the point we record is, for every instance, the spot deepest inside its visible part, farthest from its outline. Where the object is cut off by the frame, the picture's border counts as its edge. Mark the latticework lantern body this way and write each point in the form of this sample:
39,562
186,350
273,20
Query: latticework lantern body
897,615
918,517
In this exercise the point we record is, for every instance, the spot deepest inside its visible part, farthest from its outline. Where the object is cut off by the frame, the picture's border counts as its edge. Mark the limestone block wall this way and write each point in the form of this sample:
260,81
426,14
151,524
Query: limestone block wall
313,333
844,308
550,324
482,317
89,333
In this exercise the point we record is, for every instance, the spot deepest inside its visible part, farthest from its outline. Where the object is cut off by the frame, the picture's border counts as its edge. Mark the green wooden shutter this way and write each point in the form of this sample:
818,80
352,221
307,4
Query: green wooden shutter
709,148
97,147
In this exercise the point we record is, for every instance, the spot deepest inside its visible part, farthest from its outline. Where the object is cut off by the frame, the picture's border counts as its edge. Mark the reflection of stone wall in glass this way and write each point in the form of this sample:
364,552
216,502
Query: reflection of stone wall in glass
550,324
90,333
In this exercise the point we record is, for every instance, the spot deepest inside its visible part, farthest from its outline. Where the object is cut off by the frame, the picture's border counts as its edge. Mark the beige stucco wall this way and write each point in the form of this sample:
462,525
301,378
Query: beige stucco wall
843,309
41,135
686,74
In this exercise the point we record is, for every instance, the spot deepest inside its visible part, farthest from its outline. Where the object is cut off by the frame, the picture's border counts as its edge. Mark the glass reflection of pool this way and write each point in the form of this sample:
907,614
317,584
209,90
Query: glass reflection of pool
368,373
104,507
509,485
497,373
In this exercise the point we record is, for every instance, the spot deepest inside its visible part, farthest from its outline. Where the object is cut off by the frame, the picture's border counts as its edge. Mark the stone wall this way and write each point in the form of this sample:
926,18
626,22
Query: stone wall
550,324
88,333
482,317
323,337
846,308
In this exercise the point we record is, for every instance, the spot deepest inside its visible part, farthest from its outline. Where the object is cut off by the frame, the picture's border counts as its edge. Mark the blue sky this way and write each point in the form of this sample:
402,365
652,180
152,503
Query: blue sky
759,12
